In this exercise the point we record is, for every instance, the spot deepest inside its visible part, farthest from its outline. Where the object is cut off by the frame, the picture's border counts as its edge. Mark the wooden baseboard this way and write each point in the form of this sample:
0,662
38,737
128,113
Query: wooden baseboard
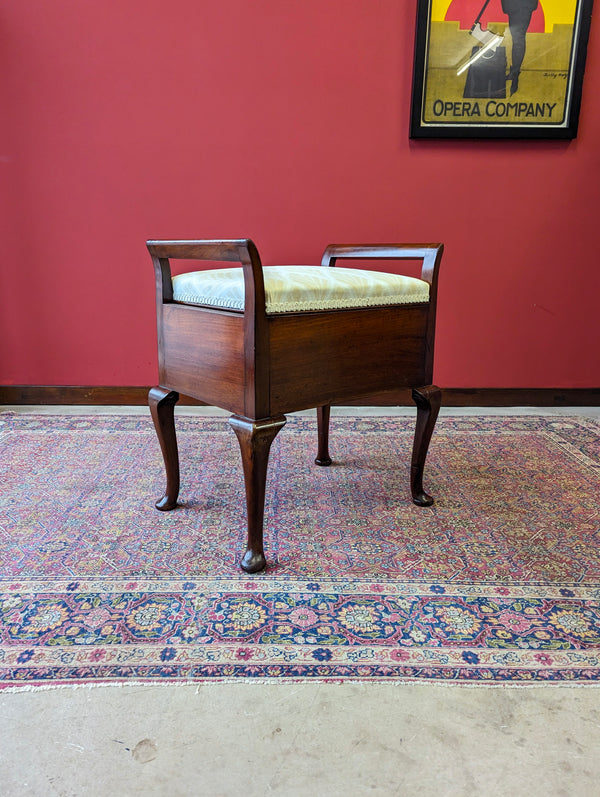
451,397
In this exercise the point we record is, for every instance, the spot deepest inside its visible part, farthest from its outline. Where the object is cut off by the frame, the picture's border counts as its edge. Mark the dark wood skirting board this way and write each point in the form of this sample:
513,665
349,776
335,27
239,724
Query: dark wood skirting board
451,397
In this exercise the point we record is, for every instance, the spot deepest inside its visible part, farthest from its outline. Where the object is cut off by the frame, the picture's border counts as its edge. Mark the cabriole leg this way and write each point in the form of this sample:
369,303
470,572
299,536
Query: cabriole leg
428,400
323,457
255,438
162,408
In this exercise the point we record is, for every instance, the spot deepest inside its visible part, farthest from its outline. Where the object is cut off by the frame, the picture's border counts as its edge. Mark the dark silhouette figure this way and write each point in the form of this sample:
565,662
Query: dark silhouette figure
519,14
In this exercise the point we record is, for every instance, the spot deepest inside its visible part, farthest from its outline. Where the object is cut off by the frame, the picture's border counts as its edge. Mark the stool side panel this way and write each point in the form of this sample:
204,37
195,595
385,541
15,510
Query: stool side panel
331,357
201,354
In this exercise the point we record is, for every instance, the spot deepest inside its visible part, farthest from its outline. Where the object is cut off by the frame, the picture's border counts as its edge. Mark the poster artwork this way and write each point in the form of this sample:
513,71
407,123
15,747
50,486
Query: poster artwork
499,63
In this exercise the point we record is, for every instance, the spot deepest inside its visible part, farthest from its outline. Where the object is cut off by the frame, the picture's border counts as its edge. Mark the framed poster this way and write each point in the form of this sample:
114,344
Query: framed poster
499,68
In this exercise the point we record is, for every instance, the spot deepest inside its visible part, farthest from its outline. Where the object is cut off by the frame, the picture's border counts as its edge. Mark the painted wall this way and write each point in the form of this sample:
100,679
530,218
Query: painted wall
285,121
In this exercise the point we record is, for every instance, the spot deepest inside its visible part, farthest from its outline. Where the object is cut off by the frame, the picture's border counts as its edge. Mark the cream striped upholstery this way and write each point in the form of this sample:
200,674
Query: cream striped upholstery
294,289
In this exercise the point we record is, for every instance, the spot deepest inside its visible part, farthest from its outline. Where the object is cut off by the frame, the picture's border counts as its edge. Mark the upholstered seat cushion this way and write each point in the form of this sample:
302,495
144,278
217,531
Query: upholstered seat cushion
294,289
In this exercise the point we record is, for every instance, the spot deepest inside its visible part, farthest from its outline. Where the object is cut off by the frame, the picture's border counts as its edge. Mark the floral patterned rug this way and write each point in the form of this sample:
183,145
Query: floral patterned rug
498,582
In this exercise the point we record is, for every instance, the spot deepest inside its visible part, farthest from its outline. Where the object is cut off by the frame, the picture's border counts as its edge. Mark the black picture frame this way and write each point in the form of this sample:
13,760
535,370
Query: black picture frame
461,92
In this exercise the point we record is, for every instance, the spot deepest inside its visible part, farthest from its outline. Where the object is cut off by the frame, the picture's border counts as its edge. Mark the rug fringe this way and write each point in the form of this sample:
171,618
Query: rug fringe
281,682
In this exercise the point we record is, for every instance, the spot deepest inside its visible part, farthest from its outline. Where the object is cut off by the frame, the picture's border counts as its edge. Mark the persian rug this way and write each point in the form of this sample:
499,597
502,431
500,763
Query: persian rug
498,582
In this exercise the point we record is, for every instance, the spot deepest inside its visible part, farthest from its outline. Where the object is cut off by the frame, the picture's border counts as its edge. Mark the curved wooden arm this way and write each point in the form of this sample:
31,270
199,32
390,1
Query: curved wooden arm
255,317
200,250
430,254
242,251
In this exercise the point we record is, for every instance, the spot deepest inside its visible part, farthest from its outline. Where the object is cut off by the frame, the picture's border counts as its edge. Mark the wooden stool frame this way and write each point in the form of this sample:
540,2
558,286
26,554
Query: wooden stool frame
259,366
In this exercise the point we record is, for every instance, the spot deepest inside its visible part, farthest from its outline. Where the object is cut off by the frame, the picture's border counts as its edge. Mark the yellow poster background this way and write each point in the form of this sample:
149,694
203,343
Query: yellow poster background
541,94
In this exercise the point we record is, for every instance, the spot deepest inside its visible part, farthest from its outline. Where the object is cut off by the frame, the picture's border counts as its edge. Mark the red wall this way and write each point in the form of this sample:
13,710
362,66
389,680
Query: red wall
285,121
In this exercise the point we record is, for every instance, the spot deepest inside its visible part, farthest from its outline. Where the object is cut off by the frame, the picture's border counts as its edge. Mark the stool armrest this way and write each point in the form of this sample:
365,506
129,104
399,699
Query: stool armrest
242,251
200,250
430,254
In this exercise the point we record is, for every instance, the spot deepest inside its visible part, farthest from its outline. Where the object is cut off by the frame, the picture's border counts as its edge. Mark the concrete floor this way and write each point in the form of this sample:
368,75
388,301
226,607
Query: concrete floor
228,739
257,740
